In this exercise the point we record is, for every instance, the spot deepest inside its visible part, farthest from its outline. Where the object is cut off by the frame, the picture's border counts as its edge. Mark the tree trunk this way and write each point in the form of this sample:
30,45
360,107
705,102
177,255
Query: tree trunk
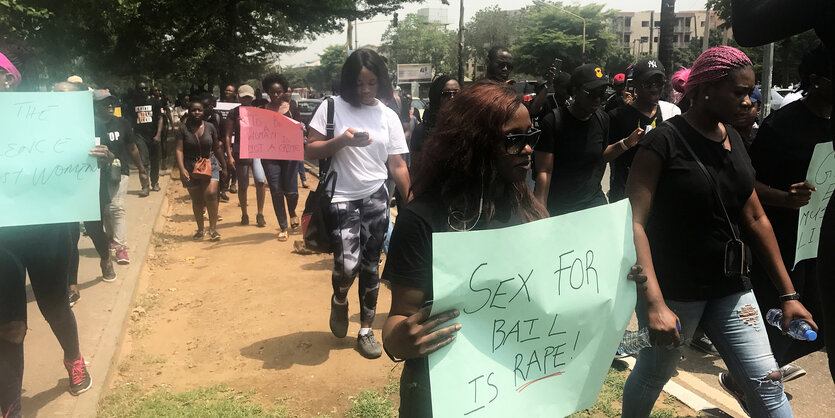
665,44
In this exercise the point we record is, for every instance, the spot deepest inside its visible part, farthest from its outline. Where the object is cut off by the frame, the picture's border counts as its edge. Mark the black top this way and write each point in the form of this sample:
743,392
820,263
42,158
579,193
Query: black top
687,229
192,150
235,116
780,155
578,159
614,102
117,135
409,263
624,120
417,139
144,115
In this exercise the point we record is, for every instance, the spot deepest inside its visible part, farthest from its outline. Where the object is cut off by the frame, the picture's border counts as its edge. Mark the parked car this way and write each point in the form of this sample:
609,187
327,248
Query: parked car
306,109
419,106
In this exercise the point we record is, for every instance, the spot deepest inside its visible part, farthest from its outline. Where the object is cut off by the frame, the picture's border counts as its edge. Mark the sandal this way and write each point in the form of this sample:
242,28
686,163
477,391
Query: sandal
283,235
294,222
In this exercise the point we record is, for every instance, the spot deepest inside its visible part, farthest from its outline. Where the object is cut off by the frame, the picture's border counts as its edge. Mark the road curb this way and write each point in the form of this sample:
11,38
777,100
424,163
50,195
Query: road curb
104,358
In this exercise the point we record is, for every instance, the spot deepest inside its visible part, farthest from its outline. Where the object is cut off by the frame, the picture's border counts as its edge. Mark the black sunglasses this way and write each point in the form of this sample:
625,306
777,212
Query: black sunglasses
515,143
600,92
449,93
651,84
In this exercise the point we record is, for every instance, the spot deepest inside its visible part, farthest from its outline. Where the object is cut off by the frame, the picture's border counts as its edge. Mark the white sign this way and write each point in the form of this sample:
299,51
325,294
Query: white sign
407,73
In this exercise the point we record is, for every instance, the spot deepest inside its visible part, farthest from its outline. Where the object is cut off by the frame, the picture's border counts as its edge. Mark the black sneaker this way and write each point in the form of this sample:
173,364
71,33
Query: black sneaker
730,387
339,318
233,188
214,235
107,272
80,380
704,345
224,197
244,219
145,192
155,187
198,235
74,297
368,346
260,221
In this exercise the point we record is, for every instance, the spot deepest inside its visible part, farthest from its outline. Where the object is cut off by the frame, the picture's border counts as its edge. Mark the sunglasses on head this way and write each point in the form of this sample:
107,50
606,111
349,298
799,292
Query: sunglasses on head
514,144
449,93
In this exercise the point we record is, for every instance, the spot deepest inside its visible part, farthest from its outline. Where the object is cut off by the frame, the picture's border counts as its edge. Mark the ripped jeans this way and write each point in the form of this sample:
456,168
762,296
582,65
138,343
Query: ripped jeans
737,329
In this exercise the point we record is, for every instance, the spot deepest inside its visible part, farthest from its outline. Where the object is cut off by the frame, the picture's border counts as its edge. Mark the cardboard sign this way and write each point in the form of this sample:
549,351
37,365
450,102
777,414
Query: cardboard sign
268,135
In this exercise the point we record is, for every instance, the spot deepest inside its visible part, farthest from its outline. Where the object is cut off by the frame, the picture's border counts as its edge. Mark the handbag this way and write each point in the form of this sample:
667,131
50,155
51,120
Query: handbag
203,167
736,264
316,225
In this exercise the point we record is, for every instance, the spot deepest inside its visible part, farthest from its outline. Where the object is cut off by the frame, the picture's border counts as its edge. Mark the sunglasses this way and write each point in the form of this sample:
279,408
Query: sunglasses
448,94
651,84
505,64
514,144
596,93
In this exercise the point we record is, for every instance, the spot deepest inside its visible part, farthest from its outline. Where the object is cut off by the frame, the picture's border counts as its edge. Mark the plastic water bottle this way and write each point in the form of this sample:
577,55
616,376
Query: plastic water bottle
633,342
798,329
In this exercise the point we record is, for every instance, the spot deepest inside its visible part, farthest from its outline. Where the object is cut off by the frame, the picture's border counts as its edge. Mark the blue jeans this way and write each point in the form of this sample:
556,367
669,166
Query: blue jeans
736,327
282,177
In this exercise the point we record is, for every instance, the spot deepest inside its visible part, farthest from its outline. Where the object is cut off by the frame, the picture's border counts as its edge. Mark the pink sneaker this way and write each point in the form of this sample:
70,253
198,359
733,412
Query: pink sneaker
122,255
80,380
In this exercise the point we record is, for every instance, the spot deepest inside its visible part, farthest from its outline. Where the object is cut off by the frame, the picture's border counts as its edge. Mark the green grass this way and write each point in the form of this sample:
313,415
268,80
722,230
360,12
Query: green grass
215,401
609,402
372,404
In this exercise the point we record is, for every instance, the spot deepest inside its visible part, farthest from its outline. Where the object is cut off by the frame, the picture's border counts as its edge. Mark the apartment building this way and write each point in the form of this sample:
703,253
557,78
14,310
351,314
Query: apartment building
639,32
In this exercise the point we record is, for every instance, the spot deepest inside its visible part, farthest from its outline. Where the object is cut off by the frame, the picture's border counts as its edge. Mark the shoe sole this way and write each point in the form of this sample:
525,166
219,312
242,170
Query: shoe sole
731,392
80,391
699,348
122,262
369,355
794,376
109,280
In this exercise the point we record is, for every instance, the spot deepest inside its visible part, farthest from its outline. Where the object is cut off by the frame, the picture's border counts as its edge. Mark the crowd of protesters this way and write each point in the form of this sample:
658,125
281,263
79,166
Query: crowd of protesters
482,157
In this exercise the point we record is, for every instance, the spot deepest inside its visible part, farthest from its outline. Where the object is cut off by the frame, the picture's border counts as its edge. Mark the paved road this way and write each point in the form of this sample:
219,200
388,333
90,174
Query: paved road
100,313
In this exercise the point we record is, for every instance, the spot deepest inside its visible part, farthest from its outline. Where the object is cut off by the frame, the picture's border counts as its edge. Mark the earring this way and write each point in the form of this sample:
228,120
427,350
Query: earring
707,97
815,85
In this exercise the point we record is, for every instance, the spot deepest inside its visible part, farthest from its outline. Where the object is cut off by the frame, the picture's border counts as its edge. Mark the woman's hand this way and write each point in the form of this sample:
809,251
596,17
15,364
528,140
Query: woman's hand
634,137
799,195
637,275
415,336
663,326
231,163
793,309
102,155
351,140
184,174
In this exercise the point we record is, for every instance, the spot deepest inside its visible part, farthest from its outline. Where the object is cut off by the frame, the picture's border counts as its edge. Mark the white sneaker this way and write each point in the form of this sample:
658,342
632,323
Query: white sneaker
791,372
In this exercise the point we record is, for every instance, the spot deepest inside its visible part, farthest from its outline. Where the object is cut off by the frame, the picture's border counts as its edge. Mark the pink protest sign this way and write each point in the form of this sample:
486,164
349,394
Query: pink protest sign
269,135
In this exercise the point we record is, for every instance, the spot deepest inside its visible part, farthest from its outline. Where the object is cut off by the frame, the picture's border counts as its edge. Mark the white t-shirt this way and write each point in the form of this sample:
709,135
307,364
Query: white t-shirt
361,170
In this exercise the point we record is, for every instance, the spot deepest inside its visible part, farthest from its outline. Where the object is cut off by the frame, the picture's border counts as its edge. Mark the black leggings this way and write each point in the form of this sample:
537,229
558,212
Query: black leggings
826,282
44,251
95,230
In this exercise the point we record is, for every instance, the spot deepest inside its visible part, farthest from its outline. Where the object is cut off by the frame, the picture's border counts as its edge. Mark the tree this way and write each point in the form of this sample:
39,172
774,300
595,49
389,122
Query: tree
327,74
417,40
488,28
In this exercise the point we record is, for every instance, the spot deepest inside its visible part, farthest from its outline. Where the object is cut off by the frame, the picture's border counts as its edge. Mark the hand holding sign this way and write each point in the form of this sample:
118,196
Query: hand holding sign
820,176
799,195
413,337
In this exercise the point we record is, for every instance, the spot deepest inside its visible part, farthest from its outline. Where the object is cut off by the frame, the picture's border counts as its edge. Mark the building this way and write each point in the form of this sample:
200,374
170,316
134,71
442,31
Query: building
436,15
638,32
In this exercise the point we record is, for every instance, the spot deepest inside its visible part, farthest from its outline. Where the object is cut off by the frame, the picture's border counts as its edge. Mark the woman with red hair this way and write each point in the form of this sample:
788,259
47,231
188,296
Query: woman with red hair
692,193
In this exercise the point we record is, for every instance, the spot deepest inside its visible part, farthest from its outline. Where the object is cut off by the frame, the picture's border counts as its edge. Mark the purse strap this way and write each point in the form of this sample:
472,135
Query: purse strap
329,132
707,175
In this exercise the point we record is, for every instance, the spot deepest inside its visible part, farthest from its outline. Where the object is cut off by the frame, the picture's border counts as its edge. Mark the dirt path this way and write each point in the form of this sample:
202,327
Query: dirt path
245,312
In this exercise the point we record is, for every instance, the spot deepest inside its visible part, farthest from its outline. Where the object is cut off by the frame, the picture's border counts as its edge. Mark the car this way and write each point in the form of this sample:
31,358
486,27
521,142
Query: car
419,106
306,109
295,97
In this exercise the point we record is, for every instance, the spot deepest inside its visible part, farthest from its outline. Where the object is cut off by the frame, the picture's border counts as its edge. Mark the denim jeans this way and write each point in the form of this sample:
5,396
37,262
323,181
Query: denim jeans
282,177
149,152
737,329
116,225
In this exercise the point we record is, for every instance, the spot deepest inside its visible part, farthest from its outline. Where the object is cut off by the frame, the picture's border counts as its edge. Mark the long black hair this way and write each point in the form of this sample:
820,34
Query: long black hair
351,70
435,91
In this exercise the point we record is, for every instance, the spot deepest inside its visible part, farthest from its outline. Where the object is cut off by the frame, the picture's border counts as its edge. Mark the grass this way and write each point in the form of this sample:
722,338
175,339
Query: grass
215,401
372,404
609,401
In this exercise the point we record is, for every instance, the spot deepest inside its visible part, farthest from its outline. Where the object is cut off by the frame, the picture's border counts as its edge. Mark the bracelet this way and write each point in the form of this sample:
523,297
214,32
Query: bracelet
790,296
623,145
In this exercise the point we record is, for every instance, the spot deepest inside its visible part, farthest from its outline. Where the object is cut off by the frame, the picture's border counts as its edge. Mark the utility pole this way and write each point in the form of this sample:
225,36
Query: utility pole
706,39
356,35
461,45
350,29
768,66
651,30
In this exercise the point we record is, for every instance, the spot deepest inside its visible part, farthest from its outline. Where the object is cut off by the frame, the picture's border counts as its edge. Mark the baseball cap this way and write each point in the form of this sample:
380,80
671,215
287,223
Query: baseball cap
563,79
756,95
619,79
75,79
101,94
246,91
646,68
589,76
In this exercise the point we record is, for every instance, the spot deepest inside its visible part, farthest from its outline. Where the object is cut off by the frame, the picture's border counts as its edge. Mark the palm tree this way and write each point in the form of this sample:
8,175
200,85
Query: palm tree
665,44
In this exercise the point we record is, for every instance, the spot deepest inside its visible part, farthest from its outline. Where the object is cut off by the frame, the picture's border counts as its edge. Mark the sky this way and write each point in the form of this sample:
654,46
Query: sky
370,31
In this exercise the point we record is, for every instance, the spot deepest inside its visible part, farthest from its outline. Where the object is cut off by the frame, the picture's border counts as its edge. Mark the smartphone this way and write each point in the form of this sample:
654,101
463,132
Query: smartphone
629,87
361,135
557,65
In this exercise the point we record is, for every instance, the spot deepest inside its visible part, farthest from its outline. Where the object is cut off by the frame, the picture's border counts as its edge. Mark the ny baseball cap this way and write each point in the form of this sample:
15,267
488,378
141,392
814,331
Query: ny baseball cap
646,68
246,91
589,76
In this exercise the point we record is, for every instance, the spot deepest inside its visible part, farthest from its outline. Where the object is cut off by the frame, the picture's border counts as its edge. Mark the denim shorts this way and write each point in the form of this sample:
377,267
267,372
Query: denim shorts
192,183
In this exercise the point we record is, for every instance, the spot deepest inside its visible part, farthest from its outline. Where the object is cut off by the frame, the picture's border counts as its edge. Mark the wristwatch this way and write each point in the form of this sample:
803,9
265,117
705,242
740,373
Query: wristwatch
790,296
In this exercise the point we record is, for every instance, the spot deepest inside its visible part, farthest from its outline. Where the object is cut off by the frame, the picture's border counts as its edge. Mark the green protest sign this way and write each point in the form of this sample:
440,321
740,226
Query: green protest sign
46,175
821,174
543,308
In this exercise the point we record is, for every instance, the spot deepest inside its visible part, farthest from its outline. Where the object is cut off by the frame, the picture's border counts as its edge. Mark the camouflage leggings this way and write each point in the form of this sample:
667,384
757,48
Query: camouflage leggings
358,236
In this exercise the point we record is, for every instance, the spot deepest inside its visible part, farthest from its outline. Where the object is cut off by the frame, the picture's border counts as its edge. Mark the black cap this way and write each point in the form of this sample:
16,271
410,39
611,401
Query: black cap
589,76
646,68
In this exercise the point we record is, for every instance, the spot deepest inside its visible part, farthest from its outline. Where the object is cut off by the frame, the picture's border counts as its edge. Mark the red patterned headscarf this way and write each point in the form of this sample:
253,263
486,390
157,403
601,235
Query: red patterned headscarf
714,64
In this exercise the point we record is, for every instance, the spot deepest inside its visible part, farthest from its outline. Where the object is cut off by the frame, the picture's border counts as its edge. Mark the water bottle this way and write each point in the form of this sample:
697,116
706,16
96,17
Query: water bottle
633,342
798,329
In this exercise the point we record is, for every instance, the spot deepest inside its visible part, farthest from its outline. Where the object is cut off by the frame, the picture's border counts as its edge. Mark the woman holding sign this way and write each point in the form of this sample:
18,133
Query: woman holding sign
475,163
368,135
198,140
692,178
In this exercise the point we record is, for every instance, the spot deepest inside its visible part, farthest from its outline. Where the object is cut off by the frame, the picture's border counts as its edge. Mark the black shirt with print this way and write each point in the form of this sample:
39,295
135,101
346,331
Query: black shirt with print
144,114
116,134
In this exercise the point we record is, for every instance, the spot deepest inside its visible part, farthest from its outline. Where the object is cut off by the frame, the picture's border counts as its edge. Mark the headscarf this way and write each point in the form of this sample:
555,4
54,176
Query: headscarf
714,64
10,68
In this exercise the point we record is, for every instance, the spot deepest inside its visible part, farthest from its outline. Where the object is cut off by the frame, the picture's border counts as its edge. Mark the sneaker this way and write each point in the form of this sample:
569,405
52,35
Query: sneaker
80,380
260,221
145,192
198,235
283,235
339,318
295,222
791,372
244,219
730,387
122,255
233,188
155,187
214,235
704,345
74,297
368,346
224,197
107,272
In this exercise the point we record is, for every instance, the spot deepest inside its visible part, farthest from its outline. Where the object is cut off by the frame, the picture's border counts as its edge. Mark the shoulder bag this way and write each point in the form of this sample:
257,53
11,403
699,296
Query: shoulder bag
316,225
203,167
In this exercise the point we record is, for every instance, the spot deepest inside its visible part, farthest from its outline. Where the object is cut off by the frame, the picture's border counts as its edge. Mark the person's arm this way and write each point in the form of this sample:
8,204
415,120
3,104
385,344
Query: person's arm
319,148
757,228
407,332
615,150
796,197
218,150
229,126
178,152
640,188
400,172
158,135
544,162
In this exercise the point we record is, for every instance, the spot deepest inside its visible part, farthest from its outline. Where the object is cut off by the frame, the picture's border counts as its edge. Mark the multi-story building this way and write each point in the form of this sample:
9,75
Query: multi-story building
639,32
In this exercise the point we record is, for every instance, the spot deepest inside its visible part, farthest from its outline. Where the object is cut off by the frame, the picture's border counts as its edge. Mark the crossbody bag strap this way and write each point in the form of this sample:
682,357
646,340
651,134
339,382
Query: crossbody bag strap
707,175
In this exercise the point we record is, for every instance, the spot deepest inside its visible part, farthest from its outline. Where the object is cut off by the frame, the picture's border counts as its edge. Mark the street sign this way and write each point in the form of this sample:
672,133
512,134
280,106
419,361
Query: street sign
407,73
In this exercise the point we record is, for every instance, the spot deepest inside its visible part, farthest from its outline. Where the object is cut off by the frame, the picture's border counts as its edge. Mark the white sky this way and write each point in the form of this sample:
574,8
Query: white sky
371,32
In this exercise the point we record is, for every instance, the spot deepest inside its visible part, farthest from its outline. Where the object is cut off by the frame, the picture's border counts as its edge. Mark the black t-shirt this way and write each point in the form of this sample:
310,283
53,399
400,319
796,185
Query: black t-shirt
144,115
194,150
578,159
623,121
614,102
235,116
409,263
780,155
116,134
687,229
